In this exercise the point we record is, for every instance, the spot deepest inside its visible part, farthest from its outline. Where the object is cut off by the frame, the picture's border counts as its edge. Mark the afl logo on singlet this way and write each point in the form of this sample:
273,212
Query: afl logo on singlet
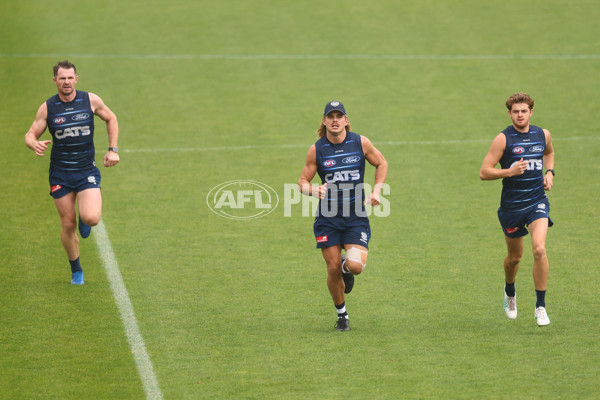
518,150
328,163
59,120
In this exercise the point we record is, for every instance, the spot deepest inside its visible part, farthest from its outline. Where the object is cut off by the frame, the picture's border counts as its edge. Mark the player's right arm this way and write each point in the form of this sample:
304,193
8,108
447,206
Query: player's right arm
488,169
35,131
308,173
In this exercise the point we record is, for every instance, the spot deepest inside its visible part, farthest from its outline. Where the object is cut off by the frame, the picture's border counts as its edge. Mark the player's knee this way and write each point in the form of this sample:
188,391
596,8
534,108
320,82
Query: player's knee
354,267
356,260
68,224
91,219
94,220
513,259
539,252
333,268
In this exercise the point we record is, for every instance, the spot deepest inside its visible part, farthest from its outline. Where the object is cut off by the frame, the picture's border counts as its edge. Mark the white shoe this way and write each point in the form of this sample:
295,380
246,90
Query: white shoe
510,306
541,316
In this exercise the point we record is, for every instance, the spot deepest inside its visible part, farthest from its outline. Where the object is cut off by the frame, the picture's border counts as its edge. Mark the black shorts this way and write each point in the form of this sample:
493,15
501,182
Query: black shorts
65,182
333,231
513,222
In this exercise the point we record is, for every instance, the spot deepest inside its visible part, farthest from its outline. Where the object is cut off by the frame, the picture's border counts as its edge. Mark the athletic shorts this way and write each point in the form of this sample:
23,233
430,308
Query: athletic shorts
63,183
514,222
332,231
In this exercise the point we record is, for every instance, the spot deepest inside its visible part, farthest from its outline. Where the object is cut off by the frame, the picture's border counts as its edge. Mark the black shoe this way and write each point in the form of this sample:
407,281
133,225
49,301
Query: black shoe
342,324
349,281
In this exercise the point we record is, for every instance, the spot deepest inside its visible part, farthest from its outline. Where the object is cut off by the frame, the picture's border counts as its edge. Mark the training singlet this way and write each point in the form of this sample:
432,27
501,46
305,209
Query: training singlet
523,191
72,127
342,166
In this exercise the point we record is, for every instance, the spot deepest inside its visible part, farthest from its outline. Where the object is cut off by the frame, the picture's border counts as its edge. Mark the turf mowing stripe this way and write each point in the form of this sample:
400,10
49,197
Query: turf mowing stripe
408,57
307,145
132,331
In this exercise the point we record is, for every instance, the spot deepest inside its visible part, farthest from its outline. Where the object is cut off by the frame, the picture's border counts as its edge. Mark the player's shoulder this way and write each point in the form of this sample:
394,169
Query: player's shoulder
363,139
547,135
92,96
321,143
365,142
536,129
95,101
52,99
499,141
42,111
546,131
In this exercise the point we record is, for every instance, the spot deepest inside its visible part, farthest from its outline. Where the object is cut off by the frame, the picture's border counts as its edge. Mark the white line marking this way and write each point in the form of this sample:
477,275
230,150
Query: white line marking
307,145
406,57
132,331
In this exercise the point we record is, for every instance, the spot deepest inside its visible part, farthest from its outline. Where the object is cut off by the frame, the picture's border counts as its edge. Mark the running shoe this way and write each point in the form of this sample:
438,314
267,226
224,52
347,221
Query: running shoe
510,306
342,324
541,317
77,278
84,229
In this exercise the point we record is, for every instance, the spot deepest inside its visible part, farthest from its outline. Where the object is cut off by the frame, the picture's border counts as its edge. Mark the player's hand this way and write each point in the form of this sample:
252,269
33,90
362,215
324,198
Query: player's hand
548,181
320,191
374,199
41,147
518,168
111,159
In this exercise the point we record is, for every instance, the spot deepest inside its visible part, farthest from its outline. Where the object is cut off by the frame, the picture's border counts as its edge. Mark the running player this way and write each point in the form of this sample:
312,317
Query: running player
74,177
522,151
341,222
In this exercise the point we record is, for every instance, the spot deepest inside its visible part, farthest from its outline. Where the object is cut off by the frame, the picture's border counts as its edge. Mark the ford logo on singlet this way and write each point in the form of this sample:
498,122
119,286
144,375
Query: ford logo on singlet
80,117
536,149
328,163
59,120
518,150
351,160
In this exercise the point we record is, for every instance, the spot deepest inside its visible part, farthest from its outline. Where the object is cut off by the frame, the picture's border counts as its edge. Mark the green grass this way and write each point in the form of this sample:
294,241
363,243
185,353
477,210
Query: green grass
240,309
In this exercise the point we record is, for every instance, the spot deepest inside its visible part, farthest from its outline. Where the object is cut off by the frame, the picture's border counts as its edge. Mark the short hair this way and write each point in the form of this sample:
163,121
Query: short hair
64,65
519,98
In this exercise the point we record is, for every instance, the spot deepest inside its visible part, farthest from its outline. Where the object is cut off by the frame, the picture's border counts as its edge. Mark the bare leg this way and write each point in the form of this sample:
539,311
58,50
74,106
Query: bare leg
541,267
335,283
68,235
89,203
513,258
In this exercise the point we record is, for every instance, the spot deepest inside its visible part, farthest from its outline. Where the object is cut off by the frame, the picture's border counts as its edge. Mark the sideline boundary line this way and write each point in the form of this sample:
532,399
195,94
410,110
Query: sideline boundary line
132,331
405,57
307,145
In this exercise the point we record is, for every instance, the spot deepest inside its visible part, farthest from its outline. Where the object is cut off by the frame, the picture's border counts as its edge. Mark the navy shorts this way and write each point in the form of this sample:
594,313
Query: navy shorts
63,183
514,222
332,231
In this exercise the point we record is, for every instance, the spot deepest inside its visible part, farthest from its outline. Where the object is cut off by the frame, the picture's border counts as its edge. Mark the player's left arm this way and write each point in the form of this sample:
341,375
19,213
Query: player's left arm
112,127
548,161
376,159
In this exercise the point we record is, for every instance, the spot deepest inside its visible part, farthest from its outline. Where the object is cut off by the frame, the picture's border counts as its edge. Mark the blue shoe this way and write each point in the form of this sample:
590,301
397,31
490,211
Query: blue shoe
84,229
77,278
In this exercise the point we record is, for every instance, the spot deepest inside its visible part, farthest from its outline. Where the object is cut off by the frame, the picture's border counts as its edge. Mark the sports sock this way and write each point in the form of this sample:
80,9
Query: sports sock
341,310
510,289
75,266
541,298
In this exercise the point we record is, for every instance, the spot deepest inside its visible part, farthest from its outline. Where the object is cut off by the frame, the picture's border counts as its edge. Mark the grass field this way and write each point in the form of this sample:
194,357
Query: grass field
212,92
